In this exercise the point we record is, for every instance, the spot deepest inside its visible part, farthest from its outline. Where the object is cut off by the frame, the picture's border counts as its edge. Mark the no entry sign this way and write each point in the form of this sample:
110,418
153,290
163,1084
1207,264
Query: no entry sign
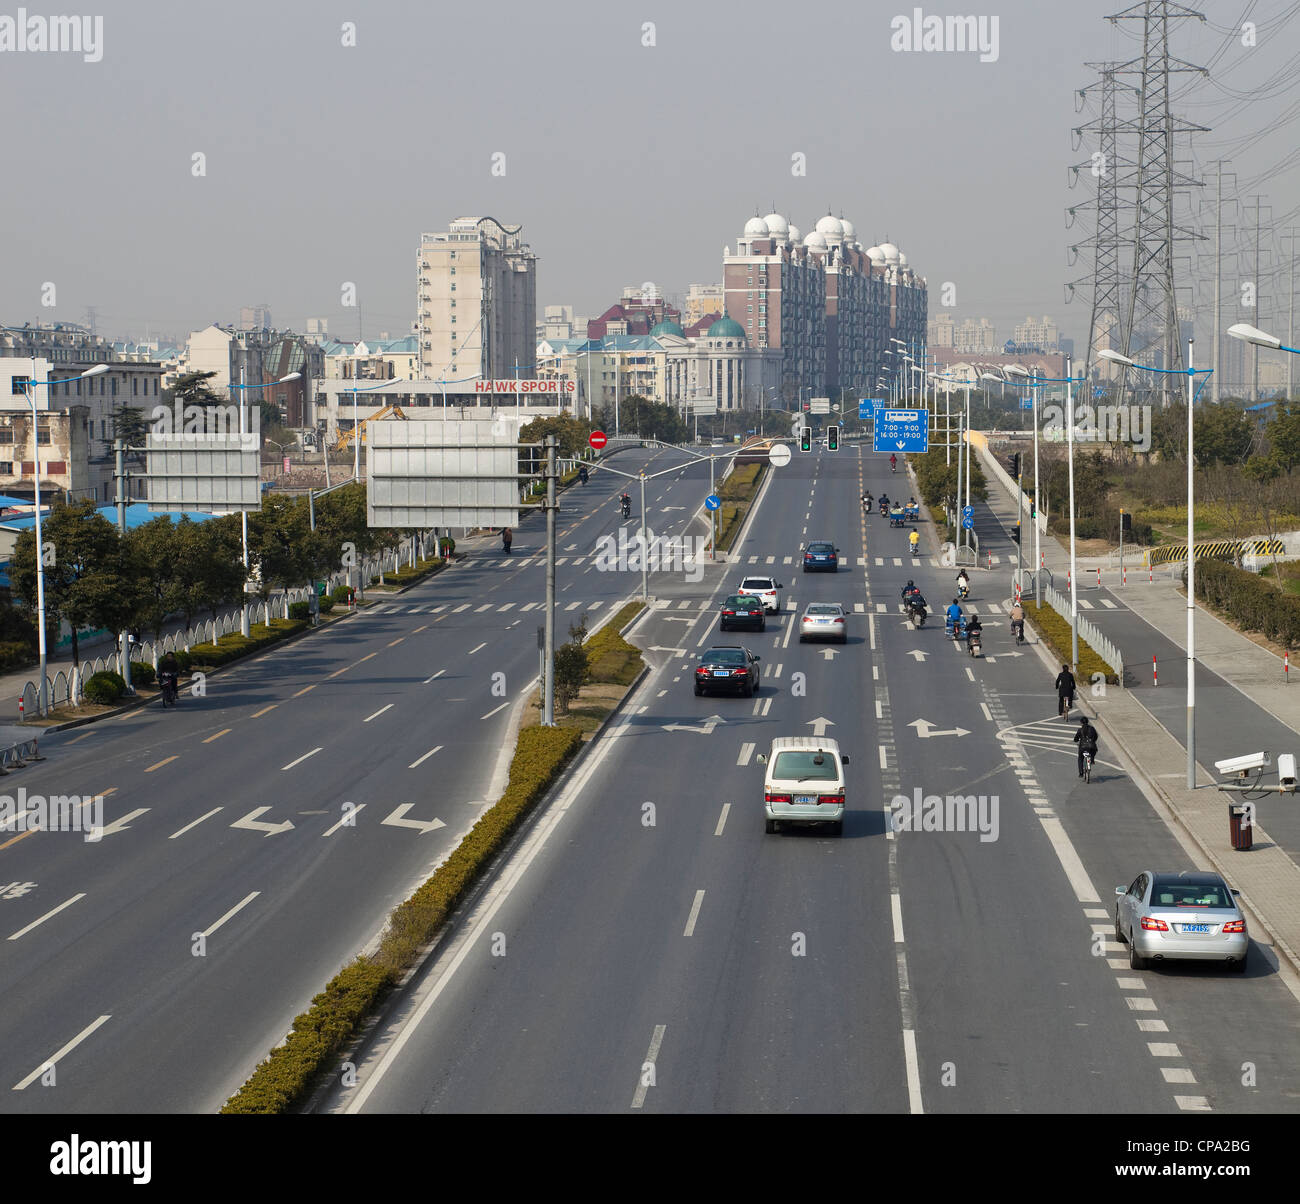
597,439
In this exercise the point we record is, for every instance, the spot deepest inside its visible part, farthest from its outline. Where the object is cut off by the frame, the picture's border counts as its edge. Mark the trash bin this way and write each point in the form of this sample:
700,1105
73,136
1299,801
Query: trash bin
1240,828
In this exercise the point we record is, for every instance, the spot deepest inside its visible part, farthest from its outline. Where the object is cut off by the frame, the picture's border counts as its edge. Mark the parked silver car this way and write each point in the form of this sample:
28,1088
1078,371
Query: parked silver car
1187,916
823,621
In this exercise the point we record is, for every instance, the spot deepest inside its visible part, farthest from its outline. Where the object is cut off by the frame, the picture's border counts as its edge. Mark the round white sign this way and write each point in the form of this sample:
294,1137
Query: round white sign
778,455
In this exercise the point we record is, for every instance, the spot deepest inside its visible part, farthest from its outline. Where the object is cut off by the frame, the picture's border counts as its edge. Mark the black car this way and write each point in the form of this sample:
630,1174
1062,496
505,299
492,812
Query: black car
821,557
742,610
730,668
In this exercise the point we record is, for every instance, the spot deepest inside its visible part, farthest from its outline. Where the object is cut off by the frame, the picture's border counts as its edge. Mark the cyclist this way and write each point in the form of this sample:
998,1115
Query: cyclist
893,463
1086,739
1065,687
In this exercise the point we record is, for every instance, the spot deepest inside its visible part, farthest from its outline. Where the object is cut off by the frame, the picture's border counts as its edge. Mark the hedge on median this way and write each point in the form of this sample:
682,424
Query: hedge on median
610,658
233,646
1054,630
1248,601
737,494
335,1014
407,575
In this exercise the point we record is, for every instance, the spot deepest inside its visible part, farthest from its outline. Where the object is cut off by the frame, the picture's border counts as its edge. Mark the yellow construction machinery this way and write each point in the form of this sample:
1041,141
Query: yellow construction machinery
344,441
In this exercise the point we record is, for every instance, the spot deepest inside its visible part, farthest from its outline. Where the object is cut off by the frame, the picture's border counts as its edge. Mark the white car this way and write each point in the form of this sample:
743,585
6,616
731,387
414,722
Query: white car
823,621
767,588
804,782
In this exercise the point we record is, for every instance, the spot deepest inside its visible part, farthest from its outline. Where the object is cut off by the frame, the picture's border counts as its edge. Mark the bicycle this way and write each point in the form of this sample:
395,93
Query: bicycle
1087,766
1066,702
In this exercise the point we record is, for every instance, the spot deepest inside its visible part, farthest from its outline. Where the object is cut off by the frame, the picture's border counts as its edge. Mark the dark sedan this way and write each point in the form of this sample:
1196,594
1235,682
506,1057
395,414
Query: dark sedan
821,557
727,668
742,610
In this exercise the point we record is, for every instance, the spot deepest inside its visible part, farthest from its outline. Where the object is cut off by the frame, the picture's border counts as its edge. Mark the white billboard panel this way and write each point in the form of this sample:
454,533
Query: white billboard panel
435,473
218,473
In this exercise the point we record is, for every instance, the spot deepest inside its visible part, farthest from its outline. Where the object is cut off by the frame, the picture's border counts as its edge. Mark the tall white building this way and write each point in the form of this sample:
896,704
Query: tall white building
477,309
1034,333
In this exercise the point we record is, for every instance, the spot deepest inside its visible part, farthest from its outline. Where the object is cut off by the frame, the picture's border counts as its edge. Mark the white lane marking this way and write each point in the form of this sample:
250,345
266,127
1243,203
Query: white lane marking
573,606
66,903
879,712
462,606
1164,1049
1084,603
304,757
746,751
379,712
1138,1003
984,706
871,627
238,907
896,913
344,821
767,705
881,608
1093,913
875,669
529,606
969,673
1108,604
421,760
898,562
1124,984
1152,1026
695,913
193,824
789,631
1177,1074
858,608
880,563
777,671
651,1054
883,763
502,609
1192,1103
49,1062
478,649
435,677
1070,863
913,1072
494,710
722,819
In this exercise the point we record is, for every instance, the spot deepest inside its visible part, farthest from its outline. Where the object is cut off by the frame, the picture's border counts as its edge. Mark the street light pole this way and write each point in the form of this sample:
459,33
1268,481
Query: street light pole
1191,578
1074,582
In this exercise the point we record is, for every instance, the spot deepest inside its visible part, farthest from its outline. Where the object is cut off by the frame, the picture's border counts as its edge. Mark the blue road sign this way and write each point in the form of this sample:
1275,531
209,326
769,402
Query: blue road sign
1026,403
866,407
968,512
968,521
902,431
712,502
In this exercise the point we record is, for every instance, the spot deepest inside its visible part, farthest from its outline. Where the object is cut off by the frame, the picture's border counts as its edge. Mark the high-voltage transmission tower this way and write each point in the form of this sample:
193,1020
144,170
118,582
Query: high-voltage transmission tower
1105,285
1152,319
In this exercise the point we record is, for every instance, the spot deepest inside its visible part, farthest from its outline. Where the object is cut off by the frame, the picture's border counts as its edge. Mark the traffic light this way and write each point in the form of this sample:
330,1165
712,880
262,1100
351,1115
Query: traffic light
1015,465
805,438
1016,533
832,437
1125,520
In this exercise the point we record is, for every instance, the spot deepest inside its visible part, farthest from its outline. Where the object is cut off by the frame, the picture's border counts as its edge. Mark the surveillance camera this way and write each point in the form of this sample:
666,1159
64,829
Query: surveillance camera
1243,765
1286,775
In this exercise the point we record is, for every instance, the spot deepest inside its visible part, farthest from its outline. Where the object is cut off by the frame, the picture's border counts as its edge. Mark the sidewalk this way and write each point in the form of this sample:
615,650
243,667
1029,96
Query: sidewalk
1247,698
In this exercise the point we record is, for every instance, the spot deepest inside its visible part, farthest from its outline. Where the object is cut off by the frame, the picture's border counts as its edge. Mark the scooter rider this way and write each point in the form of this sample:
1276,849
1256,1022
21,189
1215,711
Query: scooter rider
169,669
909,589
963,583
914,539
973,628
1086,738
893,463
953,614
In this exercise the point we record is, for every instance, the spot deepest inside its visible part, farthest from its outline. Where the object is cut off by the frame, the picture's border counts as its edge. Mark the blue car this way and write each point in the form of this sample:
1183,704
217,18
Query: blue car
821,557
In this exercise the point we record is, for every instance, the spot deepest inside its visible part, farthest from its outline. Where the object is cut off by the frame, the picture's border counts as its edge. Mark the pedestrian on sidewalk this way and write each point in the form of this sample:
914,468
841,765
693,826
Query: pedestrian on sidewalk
1065,687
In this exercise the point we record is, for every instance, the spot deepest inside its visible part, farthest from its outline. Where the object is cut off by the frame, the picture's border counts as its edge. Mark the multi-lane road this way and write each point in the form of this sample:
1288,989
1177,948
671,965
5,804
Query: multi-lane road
645,946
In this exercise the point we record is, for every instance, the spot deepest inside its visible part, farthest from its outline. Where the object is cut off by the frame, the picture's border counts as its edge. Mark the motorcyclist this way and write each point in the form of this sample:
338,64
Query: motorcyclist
582,474
867,500
1017,621
1086,738
953,614
1065,687
909,588
626,503
973,628
506,537
914,539
963,582
893,463
169,670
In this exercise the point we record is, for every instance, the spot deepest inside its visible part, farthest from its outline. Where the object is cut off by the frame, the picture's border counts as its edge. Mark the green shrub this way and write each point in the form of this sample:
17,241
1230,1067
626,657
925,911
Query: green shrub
340,594
104,687
184,660
142,673
300,610
232,647
1054,630
611,660
15,655
326,605
1248,601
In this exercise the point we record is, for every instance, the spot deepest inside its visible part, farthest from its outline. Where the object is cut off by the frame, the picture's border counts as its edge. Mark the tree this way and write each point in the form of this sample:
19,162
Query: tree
209,566
570,433
152,555
571,666
1284,437
1223,435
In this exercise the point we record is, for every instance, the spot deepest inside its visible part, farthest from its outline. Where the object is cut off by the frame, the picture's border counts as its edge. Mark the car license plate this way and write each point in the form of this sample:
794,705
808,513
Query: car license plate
805,800
721,672
1196,928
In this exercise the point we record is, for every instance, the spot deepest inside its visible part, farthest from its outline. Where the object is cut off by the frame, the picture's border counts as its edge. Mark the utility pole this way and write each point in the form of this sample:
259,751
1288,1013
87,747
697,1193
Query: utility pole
1254,347
548,695
120,485
1290,322
1218,280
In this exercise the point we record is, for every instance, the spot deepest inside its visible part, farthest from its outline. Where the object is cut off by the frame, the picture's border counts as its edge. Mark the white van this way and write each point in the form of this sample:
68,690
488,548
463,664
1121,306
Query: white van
804,782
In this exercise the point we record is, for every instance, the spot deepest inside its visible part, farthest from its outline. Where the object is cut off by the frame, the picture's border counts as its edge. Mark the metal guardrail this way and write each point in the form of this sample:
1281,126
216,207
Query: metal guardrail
1101,644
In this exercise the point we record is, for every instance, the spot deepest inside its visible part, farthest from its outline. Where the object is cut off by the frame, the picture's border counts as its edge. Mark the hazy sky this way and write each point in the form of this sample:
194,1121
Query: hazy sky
624,162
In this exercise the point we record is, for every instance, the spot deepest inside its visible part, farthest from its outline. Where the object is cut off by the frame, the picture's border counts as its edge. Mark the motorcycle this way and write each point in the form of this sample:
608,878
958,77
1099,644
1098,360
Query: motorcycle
974,644
627,508
1018,630
884,509
963,591
917,615
953,630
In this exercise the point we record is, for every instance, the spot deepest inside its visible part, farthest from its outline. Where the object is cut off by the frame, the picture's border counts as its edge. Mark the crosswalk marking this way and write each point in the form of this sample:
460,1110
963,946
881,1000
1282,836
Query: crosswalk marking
573,606
462,606
505,608
1084,603
478,610
859,608
1108,604
898,562
770,560
559,560
880,563
788,560
880,608
528,606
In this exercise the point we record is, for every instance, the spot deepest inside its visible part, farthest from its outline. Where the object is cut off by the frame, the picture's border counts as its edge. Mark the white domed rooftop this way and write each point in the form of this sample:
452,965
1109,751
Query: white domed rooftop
756,227
850,233
875,254
777,226
814,241
830,227
889,251
795,236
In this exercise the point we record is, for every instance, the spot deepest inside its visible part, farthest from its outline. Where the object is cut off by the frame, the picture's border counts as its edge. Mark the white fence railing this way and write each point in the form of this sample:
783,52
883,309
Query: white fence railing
67,685
1104,647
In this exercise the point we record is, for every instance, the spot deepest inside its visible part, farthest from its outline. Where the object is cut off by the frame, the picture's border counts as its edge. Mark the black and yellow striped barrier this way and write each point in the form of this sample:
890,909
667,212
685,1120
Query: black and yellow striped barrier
1219,549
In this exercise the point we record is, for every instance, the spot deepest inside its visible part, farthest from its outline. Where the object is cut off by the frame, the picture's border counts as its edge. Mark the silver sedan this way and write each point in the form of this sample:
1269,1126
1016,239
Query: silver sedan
824,621
1188,916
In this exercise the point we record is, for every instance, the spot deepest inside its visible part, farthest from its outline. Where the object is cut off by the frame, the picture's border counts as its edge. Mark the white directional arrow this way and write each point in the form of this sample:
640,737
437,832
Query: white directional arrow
706,729
398,820
673,619
672,508
919,654
828,654
674,651
925,729
118,824
572,547
1011,654
819,725
902,443
253,824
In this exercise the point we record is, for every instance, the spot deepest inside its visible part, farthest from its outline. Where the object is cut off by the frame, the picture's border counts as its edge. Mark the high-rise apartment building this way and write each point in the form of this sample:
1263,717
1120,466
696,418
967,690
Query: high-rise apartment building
1044,334
702,300
477,312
